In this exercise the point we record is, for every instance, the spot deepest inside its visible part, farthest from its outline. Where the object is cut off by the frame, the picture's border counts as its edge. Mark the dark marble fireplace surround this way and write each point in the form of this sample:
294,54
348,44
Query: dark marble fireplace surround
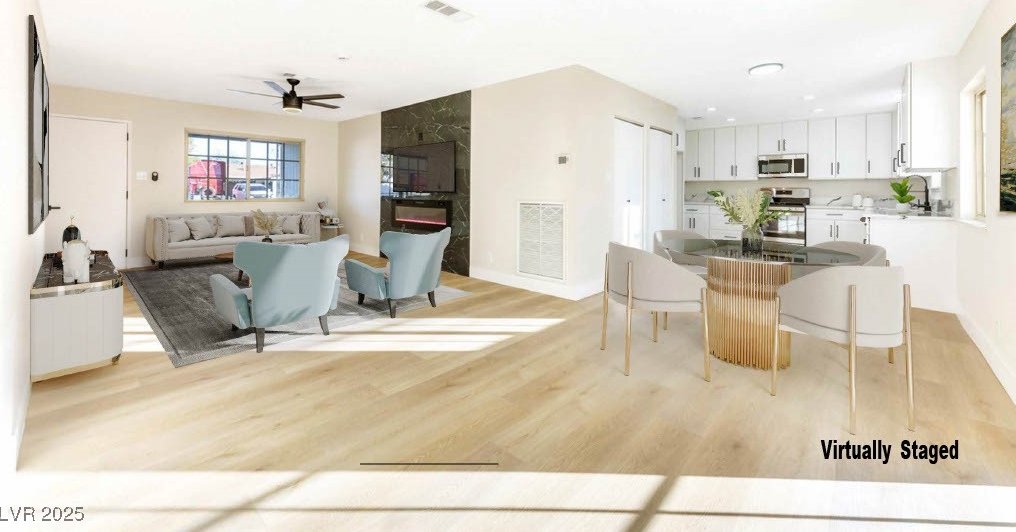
439,120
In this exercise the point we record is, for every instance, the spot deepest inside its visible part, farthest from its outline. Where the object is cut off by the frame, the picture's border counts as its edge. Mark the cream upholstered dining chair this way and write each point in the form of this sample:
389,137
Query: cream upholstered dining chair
645,281
665,238
867,254
856,306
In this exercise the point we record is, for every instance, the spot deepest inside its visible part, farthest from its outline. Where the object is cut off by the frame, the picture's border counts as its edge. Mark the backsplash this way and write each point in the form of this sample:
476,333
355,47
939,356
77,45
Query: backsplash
820,188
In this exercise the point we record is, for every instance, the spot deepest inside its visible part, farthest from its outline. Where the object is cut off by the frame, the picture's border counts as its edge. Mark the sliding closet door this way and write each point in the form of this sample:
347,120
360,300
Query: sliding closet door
660,205
629,160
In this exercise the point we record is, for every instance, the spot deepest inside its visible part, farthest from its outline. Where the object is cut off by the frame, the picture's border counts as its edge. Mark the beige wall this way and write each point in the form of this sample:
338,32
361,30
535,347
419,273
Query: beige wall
157,144
519,128
987,254
360,181
22,252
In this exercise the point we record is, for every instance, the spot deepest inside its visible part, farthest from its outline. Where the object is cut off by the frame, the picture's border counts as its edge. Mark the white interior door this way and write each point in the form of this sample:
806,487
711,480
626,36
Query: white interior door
629,167
661,207
88,181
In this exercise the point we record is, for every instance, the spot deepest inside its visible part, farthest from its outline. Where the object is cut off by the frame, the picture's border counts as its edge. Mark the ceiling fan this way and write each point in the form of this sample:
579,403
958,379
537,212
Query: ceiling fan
291,103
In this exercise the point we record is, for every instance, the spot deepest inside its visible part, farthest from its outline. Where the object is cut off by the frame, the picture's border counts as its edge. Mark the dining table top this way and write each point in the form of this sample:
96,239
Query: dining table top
773,252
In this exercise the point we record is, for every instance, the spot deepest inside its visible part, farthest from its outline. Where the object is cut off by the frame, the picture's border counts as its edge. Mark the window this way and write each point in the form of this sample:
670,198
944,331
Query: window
980,150
236,168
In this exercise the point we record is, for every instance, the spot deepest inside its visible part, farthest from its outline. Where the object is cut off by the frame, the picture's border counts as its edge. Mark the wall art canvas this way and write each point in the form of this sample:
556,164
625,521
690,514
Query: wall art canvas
1007,142
38,132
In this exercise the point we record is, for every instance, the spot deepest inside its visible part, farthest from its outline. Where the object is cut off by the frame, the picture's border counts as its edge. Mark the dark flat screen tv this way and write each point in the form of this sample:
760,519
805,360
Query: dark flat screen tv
424,168
38,132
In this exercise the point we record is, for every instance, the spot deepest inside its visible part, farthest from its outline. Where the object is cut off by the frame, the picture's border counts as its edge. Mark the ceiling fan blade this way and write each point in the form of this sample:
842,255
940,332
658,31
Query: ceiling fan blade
323,97
319,104
276,87
255,93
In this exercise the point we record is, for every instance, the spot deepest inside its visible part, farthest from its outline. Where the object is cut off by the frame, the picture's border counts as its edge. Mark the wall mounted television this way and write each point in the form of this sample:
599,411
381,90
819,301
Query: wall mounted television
38,132
424,168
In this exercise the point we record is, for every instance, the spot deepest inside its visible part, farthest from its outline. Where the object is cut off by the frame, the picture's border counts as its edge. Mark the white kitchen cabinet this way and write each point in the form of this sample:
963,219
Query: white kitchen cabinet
696,218
851,162
828,225
822,148
691,156
770,138
680,135
851,230
895,145
879,145
725,153
819,230
706,148
746,158
795,136
930,118
926,249
720,228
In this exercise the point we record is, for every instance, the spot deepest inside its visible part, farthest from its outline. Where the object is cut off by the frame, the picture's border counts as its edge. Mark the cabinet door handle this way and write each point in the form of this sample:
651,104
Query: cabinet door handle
837,168
903,152
735,170
895,160
830,231
837,231
869,167
831,171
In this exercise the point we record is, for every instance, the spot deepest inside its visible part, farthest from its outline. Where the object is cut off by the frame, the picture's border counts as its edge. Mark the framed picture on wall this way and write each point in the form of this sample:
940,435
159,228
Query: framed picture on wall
38,127
1007,140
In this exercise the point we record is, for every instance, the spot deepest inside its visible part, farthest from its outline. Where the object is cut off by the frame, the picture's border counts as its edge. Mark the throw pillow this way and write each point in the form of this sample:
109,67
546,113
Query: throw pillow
178,230
290,224
200,228
229,226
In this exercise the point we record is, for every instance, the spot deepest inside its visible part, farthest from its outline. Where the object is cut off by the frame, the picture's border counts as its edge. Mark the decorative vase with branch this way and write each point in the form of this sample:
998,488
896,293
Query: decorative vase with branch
750,208
901,192
265,222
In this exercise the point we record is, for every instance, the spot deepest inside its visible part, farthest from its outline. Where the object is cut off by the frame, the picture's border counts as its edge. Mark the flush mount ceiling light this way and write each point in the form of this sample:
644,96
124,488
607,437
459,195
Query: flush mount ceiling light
710,109
765,69
731,119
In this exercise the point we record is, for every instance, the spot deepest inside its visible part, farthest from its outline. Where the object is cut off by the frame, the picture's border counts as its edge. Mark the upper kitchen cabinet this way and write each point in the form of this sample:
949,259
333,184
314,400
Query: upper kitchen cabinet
879,145
929,116
746,157
706,162
851,162
691,153
680,134
725,153
784,137
822,148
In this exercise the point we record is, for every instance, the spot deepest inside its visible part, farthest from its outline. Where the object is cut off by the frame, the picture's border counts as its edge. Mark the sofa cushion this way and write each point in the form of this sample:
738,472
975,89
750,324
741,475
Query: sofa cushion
229,226
200,228
289,224
178,230
210,242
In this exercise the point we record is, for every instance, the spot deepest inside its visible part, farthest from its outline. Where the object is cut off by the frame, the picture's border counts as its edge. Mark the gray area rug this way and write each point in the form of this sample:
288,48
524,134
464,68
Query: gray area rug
177,302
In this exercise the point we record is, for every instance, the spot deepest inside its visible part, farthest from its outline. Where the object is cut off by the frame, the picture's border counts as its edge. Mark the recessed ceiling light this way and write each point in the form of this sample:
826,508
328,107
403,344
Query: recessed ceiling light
765,69
818,110
731,119
342,58
808,97
710,109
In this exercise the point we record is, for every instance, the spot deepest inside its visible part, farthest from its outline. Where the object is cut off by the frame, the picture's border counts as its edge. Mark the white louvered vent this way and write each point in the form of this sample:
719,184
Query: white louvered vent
541,239
447,10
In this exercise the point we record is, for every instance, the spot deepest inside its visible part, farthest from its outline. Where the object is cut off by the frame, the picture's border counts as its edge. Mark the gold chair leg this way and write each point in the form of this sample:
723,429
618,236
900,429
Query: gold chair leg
852,360
603,324
909,358
776,348
627,327
705,337
656,328
892,356
666,318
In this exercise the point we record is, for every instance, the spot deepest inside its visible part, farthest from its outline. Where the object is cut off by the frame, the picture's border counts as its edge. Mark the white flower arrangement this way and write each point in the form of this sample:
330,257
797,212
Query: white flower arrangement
750,208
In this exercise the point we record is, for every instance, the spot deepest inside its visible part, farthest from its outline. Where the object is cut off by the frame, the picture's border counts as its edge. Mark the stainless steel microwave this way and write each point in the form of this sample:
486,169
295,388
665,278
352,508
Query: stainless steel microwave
783,165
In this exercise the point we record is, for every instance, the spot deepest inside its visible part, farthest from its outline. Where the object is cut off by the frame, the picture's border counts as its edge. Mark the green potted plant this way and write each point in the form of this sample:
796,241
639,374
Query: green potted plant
750,208
901,192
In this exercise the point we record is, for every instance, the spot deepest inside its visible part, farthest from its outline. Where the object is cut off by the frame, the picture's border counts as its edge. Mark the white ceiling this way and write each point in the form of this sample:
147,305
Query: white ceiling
691,53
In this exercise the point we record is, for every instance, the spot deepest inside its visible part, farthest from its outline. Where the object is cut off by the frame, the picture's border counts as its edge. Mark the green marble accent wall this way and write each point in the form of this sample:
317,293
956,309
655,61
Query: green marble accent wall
438,120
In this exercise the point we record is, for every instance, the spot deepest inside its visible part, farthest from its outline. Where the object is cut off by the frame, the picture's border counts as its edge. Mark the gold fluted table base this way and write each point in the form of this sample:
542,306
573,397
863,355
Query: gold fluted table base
742,311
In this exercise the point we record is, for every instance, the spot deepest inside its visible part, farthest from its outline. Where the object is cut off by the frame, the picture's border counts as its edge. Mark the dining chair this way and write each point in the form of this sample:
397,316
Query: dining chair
664,239
855,306
645,281
867,254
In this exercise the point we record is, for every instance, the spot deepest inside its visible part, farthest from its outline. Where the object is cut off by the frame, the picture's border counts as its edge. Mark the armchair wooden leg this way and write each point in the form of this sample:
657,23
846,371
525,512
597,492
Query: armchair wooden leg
705,338
892,356
259,339
391,307
603,322
323,320
430,296
909,358
852,357
656,326
359,299
627,326
666,318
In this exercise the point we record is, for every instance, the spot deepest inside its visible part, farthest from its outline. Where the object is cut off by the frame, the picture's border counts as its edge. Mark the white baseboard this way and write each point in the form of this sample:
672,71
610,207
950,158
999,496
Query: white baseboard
10,444
551,288
1004,370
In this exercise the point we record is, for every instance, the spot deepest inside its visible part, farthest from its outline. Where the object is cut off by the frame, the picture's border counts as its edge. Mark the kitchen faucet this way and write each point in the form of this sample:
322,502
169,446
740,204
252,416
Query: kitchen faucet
926,206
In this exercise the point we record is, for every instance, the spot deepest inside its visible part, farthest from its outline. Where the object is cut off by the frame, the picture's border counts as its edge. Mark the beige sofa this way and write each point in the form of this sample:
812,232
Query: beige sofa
160,249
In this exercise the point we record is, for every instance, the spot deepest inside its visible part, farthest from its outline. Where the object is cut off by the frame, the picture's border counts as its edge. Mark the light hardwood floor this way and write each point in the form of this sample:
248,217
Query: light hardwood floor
514,377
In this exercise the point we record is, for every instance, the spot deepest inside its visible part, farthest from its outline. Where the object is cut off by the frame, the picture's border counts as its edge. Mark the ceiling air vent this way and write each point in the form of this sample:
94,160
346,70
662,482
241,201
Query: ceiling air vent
451,12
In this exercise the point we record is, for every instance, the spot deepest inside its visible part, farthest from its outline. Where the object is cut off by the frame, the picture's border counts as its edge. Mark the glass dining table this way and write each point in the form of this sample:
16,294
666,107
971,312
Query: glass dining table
741,305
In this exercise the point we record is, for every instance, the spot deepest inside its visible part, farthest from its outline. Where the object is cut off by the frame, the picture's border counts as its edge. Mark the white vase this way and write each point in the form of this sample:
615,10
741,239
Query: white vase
902,208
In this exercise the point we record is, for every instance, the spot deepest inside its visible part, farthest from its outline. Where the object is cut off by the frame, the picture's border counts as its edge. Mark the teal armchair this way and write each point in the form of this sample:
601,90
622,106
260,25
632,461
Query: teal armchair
289,283
414,268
